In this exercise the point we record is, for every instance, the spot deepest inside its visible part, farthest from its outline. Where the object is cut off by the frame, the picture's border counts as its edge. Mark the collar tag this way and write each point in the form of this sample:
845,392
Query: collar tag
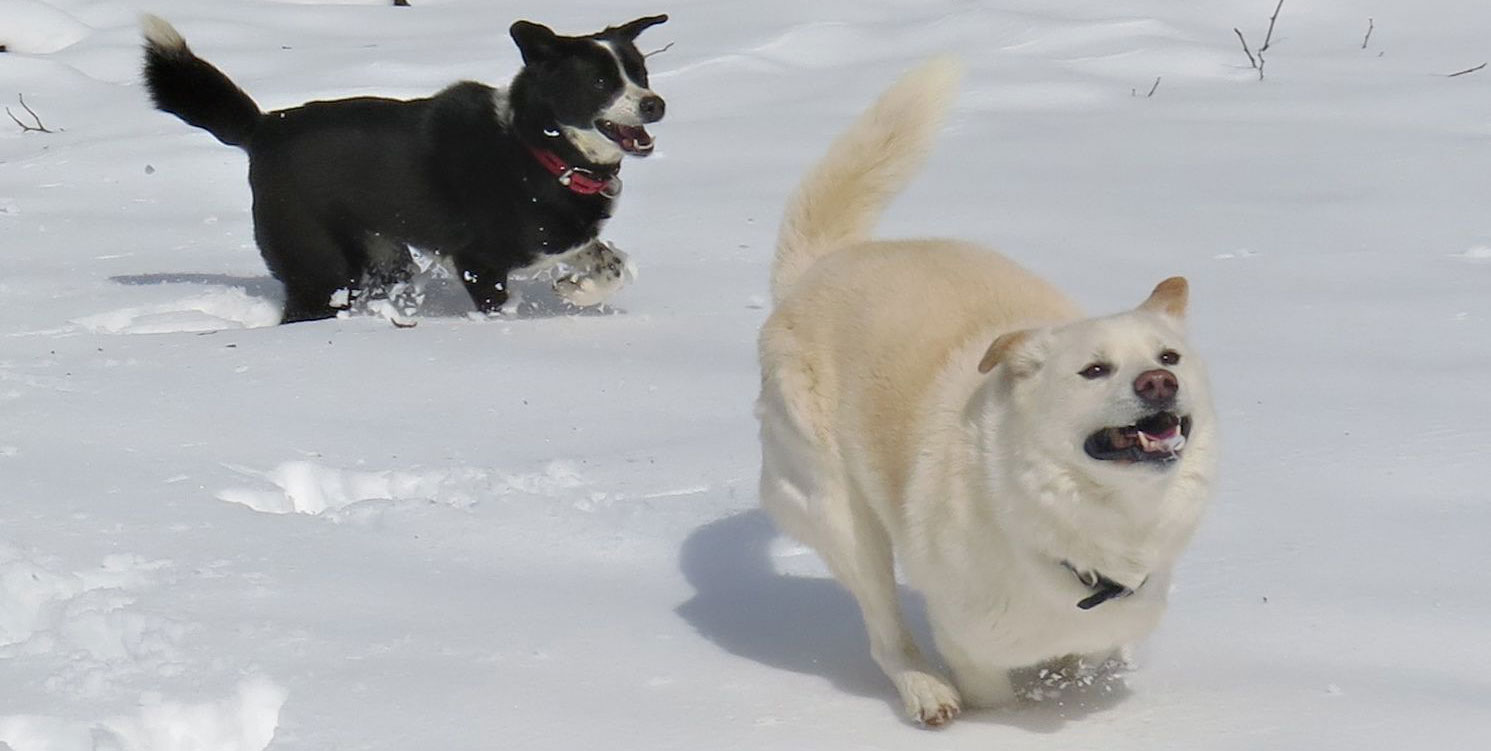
1103,588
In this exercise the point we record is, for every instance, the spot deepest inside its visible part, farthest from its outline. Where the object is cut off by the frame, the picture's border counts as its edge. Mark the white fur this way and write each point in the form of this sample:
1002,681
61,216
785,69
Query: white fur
502,105
882,442
593,145
161,34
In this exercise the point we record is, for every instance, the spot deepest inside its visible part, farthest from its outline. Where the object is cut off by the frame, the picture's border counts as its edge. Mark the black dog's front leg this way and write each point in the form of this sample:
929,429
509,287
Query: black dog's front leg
485,283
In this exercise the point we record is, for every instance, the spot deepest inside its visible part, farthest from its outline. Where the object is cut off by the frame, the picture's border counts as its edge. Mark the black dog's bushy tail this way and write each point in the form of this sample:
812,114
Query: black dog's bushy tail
192,89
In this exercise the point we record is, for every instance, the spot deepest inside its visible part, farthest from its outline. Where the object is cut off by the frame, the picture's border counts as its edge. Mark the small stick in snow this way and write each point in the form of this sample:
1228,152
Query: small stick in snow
1467,70
38,128
1368,37
665,48
1152,88
1246,51
1270,35
1268,38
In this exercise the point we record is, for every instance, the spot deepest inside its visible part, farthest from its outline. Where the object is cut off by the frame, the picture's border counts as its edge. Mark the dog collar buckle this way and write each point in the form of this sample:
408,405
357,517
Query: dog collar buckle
612,187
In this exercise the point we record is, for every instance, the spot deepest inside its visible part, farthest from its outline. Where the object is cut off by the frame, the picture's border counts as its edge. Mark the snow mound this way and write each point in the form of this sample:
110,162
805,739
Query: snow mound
37,28
304,487
83,624
243,721
82,610
211,311
1478,253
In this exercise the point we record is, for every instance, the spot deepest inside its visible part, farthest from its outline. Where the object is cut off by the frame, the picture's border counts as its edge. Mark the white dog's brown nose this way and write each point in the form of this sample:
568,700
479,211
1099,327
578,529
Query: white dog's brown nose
1157,387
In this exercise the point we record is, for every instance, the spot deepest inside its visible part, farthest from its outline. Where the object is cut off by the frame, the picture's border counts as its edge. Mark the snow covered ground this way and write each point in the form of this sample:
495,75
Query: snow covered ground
540,532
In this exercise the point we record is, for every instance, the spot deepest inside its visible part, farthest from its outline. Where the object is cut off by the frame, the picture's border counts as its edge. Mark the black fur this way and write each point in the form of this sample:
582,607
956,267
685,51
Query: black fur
342,188
190,88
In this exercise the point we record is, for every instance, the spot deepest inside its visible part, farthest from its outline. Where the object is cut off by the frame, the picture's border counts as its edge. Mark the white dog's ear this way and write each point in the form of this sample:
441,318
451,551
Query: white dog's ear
1169,297
1012,349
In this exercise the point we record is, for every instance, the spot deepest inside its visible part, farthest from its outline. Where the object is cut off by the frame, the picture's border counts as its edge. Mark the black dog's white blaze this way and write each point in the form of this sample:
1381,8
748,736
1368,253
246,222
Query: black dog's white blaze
618,128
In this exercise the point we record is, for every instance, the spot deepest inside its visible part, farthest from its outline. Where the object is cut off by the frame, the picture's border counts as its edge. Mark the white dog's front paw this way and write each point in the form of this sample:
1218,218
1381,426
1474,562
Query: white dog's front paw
595,274
928,698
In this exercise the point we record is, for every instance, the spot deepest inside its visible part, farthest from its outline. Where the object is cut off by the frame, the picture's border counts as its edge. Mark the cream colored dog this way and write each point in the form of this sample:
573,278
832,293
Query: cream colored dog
1035,472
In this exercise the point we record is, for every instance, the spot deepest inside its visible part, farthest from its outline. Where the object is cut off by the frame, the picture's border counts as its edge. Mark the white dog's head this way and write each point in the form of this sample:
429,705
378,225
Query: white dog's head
1119,394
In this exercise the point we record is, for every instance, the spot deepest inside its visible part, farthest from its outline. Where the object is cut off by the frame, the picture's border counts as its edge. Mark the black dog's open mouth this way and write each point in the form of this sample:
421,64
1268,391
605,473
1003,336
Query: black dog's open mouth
1159,438
633,139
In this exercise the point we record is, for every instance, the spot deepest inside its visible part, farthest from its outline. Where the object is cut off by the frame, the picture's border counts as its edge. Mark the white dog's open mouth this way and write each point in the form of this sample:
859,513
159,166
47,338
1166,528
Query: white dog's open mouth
633,139
1159,438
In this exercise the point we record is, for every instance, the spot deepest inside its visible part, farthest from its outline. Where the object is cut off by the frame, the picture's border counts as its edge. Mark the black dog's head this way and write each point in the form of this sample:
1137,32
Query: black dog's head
592,90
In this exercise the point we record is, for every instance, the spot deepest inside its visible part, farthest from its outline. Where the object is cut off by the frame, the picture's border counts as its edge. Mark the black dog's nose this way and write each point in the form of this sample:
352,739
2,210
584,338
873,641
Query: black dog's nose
1156,387
651,107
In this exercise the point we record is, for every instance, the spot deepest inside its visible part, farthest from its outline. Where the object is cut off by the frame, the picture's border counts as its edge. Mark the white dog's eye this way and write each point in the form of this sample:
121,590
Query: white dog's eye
1096,370
1169,357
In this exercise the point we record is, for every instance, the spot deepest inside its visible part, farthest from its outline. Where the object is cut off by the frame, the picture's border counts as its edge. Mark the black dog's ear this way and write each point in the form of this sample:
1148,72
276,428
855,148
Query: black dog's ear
629,31
536,41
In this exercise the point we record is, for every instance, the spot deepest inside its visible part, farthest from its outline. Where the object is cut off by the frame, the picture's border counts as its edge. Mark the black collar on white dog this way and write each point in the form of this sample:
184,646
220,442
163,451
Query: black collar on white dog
1103,588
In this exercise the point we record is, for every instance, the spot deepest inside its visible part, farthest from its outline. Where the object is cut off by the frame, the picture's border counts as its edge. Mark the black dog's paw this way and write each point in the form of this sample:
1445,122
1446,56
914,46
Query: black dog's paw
595,275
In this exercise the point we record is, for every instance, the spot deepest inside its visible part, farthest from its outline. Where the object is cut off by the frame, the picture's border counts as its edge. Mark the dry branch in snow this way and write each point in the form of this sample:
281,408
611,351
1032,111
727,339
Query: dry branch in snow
37,128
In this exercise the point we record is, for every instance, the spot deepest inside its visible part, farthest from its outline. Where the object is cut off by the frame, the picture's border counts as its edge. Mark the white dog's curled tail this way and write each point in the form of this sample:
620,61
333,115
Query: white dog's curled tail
841,198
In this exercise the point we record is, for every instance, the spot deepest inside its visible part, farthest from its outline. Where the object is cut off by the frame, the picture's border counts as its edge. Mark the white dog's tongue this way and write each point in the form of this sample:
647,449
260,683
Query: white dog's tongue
1171,441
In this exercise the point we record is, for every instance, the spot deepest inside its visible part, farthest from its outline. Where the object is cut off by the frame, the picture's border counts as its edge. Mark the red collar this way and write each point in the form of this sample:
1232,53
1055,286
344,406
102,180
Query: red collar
578,179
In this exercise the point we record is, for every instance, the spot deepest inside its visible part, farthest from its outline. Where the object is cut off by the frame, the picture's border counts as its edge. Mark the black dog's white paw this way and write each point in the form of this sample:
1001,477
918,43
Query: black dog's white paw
594,275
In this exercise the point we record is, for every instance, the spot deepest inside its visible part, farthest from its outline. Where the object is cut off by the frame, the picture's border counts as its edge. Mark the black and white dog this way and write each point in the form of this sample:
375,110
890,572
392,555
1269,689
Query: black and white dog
492,180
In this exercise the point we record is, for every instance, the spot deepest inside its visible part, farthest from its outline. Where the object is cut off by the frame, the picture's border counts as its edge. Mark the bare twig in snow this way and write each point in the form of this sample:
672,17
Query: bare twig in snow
1246,51
1270,35
1268,38
1368,37
1134,92
665,48
38,127
1467,70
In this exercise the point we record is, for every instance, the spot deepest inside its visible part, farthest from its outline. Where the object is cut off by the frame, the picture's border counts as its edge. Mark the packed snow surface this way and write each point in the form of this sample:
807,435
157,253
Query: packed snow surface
540,531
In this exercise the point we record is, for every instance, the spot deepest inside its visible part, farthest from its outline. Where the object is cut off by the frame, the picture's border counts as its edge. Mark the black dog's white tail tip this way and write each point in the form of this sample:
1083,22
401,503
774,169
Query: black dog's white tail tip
161,35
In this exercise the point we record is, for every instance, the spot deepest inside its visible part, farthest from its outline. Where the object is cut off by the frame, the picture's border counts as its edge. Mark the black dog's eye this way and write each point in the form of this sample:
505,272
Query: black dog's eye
600,84
1169,357
1096,370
